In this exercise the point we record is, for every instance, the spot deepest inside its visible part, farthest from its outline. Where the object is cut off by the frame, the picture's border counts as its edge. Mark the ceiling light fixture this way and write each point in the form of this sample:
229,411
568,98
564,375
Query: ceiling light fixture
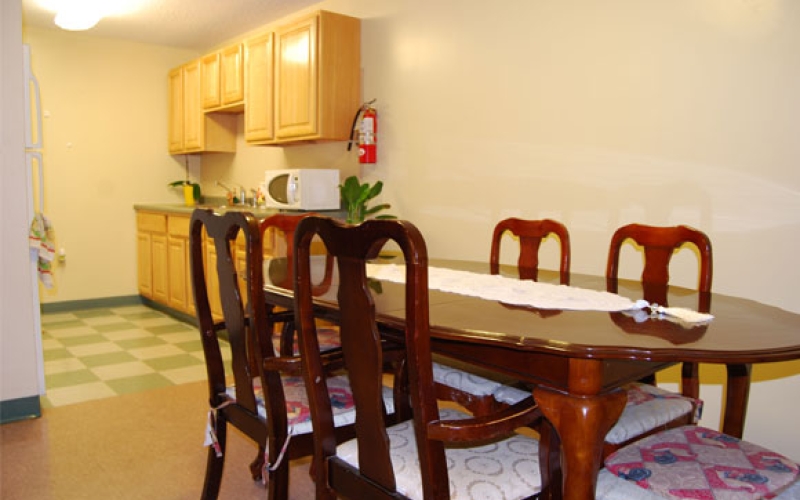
77,19
77,15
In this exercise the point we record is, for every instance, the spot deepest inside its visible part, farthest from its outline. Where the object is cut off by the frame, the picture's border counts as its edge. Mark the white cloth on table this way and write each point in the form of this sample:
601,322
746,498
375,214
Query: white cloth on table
531,293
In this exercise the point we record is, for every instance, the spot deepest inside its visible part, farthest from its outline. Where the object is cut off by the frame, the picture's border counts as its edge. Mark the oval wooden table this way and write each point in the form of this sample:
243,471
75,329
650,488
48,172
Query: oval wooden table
577,360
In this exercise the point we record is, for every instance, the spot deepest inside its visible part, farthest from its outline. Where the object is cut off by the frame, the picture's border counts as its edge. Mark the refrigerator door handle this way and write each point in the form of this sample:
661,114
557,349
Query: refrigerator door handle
34,105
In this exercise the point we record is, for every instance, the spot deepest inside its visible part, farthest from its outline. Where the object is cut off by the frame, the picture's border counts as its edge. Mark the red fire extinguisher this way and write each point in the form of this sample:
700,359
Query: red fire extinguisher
367,149
367,128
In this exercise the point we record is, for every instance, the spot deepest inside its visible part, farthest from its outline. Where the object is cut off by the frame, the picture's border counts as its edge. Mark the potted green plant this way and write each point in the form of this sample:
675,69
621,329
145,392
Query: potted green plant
356,195
191,191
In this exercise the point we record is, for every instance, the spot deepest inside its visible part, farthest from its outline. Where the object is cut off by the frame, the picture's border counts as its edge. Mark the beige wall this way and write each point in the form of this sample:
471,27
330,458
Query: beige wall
105,146
595,113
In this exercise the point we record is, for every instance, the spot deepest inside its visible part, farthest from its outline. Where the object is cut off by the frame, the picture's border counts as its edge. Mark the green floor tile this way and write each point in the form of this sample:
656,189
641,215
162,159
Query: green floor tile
111,358
140,342
172,362
67,379
140,383
142,315
54,354
192,346
93,313
172,328
83,340
115,327
62,325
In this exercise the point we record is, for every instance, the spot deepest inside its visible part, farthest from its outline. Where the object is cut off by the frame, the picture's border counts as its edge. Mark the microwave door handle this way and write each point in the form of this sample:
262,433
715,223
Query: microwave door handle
291,190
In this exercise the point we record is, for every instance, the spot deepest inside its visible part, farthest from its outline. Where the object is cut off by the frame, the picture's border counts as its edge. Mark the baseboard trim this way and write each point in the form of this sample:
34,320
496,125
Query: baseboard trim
73,305
15,410
182,316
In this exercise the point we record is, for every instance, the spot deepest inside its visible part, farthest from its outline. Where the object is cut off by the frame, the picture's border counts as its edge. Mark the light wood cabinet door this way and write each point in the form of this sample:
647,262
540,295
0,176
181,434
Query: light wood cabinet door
175,116
231,77
151,234
193,117
144,263
258,111
180,285
296,79
317,77
160,268
209,80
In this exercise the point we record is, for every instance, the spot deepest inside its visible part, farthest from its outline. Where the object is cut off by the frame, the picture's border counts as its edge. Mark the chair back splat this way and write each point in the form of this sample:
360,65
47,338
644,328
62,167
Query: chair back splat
659,243
531,233
364,468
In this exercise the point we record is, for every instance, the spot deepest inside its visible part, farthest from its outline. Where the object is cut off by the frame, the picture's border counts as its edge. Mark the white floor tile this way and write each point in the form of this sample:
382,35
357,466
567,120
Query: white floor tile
90,349
79,393
122,370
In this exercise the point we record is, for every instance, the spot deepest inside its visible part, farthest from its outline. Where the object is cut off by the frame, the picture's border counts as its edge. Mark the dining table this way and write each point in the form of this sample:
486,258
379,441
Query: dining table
576,361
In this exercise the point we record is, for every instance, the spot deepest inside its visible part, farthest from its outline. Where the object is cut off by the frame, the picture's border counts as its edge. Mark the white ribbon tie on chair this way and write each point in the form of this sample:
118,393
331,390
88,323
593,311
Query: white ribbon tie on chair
535,294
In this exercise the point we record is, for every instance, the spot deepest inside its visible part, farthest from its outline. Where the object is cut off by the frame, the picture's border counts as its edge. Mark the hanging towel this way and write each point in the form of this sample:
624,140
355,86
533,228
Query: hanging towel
40,239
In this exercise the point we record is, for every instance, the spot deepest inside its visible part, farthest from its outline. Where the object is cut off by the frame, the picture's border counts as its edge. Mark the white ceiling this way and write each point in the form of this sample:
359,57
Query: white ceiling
191,24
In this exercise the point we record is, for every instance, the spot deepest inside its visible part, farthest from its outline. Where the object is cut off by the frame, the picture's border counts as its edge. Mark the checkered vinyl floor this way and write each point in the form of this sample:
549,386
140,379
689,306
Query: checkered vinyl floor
99,353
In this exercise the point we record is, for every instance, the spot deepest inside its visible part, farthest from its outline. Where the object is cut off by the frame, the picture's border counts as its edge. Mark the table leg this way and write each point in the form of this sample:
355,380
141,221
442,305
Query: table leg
736,397
582,422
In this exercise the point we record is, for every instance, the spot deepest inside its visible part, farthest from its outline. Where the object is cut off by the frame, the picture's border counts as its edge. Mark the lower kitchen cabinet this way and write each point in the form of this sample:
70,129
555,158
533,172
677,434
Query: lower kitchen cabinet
178,264
151,240
164,265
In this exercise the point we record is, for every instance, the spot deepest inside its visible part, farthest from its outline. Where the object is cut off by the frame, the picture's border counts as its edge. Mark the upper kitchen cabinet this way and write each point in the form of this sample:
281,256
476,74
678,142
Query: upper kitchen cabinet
222,81
190,129
258,113
317,78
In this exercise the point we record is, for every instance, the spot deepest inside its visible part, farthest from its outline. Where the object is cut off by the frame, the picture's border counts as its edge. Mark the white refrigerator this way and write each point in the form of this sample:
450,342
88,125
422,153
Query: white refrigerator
41,250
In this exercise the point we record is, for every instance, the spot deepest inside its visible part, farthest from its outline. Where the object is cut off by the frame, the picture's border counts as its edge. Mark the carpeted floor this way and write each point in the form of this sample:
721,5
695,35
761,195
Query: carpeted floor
145,445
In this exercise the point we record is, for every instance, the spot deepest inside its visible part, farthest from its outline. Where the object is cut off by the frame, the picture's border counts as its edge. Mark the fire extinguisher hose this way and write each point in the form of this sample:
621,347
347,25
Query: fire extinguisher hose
355,120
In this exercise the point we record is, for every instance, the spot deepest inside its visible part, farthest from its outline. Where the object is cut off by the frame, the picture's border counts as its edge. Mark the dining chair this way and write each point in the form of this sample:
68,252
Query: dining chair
432,455
650,408
473,391
267,401
531,233
279,229
474,388
696,462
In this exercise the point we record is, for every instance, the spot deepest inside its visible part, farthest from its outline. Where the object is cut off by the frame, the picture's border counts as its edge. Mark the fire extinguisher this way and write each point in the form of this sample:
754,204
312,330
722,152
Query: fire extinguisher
367,147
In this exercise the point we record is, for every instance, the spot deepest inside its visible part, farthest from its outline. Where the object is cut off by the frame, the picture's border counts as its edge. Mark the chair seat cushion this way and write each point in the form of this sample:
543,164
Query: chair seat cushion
695,462
611,487
464,380
299,415
649,407
328,338
507,468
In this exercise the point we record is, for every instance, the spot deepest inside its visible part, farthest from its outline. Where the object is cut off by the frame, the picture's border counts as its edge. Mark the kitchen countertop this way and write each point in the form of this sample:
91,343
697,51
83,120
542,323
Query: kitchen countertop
259,212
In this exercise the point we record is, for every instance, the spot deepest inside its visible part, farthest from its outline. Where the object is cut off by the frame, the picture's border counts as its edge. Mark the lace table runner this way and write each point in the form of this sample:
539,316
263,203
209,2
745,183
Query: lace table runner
531,293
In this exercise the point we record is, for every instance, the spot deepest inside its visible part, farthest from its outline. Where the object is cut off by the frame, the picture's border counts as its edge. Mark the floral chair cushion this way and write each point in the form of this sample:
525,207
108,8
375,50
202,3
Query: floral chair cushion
297,410
648,408
328,338
699,463
507,468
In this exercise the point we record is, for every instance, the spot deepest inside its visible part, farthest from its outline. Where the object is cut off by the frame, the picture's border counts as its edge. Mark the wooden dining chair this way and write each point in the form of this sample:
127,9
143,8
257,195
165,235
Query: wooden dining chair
531,233
425,457
650,408
279,229
474,388
267,400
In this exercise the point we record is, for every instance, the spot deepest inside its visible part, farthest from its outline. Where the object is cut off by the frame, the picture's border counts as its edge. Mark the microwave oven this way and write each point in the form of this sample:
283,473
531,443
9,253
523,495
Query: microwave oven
302,189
